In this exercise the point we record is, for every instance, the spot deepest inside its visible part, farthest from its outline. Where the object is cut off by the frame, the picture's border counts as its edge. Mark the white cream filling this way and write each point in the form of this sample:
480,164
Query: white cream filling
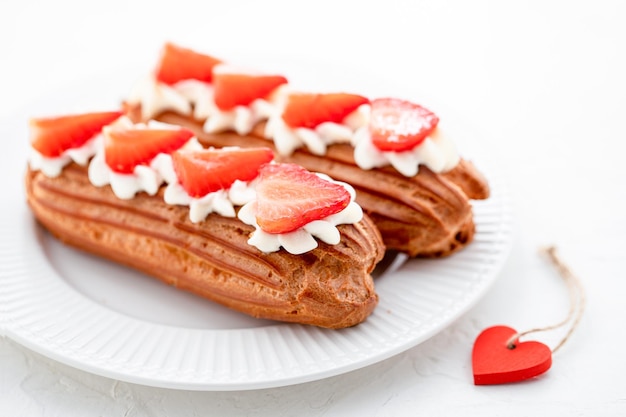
437,152
303,239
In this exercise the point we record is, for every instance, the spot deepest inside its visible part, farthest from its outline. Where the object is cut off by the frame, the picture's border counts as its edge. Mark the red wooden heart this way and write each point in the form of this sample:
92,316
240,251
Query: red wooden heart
494,362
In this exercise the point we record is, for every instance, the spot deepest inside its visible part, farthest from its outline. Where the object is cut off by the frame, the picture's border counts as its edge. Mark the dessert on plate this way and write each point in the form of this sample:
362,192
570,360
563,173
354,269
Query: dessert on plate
407,173
268,239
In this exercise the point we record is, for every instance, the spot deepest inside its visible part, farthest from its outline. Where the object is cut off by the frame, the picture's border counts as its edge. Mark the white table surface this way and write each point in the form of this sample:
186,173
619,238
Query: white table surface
544,80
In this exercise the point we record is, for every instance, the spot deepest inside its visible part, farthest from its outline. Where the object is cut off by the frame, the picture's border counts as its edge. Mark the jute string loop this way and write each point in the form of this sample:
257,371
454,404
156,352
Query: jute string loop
577,302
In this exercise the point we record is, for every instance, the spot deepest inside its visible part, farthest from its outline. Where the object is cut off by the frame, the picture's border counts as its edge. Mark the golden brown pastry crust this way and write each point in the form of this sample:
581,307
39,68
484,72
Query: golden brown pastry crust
330,286
427,215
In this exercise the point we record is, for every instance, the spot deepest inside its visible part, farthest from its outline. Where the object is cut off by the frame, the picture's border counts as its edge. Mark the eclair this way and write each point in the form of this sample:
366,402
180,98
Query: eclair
405,169
268,239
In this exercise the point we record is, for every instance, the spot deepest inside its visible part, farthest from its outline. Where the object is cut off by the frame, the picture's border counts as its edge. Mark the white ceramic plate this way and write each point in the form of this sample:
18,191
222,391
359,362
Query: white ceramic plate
111,321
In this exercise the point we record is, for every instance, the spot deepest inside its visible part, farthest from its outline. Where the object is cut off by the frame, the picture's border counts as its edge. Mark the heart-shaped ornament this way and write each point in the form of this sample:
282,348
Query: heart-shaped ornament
494,362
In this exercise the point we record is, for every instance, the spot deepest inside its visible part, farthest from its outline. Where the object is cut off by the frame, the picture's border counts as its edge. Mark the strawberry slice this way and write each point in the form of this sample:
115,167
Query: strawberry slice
53,136
209,170
289,197
124,149
233,89
399,125
310,110
179,63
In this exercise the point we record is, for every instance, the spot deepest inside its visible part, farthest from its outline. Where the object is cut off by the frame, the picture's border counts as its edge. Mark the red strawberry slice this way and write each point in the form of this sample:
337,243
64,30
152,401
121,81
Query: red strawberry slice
124,149
209,170
399,125
179,63
53,136
310,110
289,197
242,89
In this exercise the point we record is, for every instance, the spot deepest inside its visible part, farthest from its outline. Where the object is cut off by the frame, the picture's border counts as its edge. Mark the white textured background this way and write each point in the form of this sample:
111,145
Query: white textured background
544,80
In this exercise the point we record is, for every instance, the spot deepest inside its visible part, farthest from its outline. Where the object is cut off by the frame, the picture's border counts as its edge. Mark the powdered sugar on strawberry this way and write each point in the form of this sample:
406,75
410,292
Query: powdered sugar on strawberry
437,152
403,134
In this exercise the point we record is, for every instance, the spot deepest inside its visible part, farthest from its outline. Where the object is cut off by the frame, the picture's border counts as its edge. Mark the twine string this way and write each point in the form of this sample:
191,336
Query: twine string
577,302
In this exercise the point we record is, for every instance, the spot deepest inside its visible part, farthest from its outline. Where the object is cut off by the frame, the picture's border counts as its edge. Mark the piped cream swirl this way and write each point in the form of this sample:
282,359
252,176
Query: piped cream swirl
303,239
148,178
437,152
